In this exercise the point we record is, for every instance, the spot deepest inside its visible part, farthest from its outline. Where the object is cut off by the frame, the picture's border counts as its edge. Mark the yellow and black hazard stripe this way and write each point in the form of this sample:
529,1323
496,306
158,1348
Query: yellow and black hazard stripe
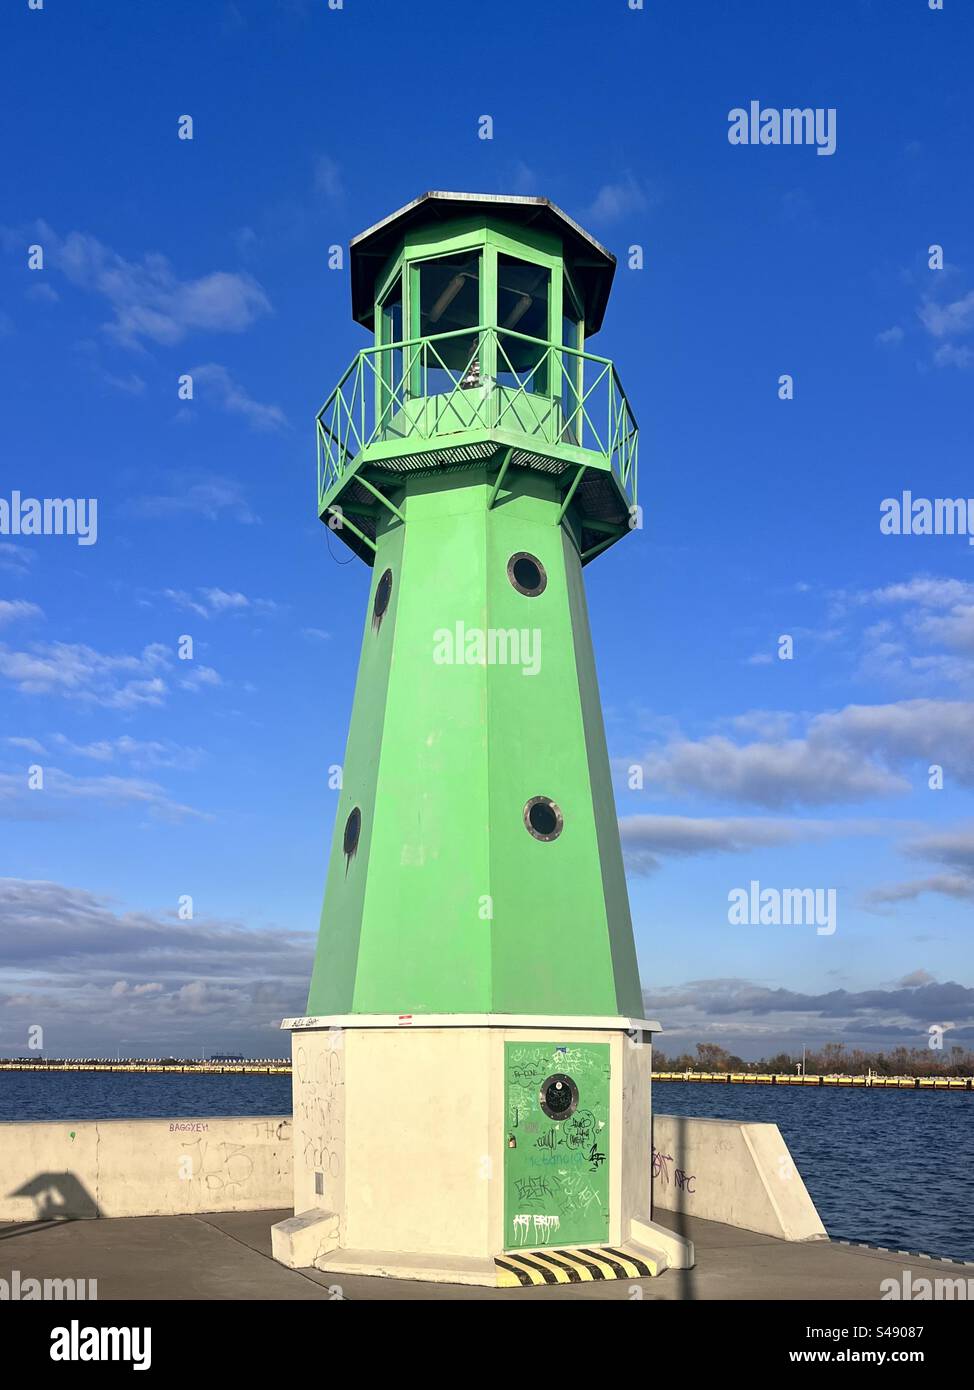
578,1266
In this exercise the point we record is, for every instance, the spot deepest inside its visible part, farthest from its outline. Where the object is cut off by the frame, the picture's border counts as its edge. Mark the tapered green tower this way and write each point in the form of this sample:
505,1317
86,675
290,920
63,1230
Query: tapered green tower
477,456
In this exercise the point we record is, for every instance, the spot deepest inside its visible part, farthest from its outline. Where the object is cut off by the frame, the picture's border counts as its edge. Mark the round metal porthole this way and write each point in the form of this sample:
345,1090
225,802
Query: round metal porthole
543,818
353,828
526,573
383,592
558,1096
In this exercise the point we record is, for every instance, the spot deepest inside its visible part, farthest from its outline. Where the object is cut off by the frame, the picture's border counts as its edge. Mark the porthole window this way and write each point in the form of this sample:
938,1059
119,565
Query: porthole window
543,818
527,574
383,592
558,1096
353,828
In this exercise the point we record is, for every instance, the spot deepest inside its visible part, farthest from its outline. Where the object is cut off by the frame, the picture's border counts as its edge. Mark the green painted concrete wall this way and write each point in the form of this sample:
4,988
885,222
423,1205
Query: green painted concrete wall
449,905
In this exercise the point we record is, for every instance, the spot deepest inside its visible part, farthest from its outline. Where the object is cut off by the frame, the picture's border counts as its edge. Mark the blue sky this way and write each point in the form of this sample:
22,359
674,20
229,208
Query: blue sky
164,778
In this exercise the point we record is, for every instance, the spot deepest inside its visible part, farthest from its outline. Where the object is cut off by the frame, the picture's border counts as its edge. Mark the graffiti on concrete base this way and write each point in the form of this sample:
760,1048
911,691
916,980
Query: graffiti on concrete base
661,1169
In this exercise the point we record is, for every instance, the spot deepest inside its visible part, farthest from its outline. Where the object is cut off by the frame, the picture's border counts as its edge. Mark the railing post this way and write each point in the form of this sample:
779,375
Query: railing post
488,372
361,379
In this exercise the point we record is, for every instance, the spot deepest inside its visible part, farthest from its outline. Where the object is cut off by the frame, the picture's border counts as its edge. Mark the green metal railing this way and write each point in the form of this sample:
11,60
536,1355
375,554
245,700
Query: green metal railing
474,380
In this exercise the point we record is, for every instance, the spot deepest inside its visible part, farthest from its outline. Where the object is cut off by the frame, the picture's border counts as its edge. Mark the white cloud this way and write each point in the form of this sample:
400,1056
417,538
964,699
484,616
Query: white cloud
213,602
924,589
18,609
766,723
890,337
917,977
209,497
43,292
199,676
953,846
137,752
925,730
29,745
775,774
80,672
954,629
234,398
62,790
646,837
95,975
130,385
522,178
148,299
617,200
17,559
950,355
853,754
328,179
735,1012
246,241
951,885
948,320
925,638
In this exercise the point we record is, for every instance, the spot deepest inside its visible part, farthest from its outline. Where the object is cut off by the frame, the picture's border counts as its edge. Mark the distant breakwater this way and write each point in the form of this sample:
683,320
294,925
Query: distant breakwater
262,1067
899,1083
279,1066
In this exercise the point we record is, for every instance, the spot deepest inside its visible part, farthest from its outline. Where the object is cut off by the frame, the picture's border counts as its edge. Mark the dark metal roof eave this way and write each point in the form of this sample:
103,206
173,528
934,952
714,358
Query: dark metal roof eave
371,248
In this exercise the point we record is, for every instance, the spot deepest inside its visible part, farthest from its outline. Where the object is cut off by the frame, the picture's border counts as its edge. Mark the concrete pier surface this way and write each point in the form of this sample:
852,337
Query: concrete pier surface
228,1256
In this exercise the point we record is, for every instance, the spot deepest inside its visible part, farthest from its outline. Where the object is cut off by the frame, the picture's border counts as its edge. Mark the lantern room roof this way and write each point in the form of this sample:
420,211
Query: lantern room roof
592,266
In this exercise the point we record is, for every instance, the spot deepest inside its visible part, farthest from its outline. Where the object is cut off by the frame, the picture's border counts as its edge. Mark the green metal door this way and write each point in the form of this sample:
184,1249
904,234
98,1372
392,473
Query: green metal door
556,1160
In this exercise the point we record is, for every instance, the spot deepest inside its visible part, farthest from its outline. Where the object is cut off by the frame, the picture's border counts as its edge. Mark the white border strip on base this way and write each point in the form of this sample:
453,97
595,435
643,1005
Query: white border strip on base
628,1025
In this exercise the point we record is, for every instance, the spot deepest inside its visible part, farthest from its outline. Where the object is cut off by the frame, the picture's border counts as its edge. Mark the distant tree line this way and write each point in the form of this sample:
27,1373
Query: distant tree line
831,1060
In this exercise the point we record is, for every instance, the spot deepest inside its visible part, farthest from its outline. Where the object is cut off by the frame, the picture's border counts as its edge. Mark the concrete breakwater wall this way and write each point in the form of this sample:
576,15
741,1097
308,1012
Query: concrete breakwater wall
722,1170
164,1167
729,1171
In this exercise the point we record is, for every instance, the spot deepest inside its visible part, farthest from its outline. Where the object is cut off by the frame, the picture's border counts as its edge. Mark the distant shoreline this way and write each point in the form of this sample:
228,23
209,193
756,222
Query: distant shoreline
264,1066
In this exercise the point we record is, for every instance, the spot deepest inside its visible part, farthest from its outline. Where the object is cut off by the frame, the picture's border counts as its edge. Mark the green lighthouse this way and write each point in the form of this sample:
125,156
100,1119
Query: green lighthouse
471,1080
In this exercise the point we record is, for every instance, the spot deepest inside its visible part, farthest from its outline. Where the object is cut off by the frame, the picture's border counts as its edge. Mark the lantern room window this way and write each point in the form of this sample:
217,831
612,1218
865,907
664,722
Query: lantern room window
448,302
449,294
523,299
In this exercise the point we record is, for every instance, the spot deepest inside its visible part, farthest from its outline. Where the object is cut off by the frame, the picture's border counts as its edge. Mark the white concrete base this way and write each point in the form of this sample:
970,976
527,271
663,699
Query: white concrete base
304,1239
394,1264
399,1146
675,1250
458,1269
